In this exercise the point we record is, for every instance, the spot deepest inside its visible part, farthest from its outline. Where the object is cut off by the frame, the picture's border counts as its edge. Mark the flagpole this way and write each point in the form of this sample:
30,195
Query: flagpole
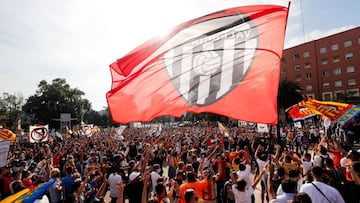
270,145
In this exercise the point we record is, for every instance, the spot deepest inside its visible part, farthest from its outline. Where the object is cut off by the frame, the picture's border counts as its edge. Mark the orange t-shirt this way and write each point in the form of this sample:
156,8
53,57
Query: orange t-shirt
193,185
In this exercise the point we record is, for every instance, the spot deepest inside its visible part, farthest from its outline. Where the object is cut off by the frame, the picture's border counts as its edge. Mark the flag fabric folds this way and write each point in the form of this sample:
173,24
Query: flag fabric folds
333,111
16,196
225,62
35,193
7,135
298,112
223,130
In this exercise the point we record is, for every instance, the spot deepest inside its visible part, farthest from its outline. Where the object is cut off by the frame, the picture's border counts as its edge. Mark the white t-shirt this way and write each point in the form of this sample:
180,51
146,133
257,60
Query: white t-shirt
242,197
306,166
246,175
114,179
154,178
331,193
318,159
343,162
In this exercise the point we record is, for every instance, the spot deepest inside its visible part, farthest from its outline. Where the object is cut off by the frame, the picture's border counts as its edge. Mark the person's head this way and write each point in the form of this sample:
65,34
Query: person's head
294,174
317,173
355,169
263,157
288,159
189,167
241,184
190,196
307,157
190,176
160,190
16,186
157,168
242,167
301,197
289,186
323,150
55,173
69,170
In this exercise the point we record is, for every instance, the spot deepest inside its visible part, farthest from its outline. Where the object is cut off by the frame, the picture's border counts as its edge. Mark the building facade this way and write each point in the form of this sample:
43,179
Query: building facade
327,69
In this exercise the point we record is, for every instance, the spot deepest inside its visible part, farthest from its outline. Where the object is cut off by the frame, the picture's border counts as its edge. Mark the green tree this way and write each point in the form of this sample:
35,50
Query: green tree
101,118
52,99
289,93
10,110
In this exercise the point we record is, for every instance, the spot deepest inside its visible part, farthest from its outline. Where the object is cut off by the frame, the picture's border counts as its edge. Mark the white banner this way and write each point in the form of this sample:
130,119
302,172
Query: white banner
262,128
4,150
298,124
119,131
39,133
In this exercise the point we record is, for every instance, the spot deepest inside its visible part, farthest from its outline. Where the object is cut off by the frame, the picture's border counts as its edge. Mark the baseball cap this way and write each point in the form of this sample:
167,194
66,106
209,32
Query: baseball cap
134,175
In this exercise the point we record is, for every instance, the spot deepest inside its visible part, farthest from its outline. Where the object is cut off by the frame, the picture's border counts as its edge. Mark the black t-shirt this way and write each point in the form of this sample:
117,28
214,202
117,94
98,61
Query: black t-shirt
134,191
351,192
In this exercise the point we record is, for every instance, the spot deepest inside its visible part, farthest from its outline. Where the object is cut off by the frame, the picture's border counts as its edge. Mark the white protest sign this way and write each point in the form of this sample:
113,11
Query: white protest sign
4,150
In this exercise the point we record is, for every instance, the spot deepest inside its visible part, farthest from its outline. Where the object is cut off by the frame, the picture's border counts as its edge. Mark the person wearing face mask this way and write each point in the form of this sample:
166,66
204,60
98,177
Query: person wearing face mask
154,176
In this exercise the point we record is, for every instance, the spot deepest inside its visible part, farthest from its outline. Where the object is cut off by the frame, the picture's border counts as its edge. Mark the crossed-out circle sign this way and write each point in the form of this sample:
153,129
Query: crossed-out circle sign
39,134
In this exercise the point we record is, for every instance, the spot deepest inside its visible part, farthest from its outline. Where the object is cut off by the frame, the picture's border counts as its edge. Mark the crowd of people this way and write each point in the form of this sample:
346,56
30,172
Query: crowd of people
189,164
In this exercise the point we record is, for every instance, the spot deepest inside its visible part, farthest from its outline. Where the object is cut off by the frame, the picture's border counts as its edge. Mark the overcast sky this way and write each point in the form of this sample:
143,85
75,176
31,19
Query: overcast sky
78,39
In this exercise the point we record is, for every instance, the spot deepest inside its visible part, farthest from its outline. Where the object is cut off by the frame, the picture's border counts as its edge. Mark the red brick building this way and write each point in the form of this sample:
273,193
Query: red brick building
327,68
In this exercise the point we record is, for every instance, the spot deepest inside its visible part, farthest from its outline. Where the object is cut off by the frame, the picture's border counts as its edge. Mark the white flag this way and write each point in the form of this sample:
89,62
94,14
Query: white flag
39,133
262,128
119,131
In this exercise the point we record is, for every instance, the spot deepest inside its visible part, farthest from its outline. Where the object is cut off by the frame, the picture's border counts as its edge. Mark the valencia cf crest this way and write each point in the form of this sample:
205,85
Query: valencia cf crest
208,66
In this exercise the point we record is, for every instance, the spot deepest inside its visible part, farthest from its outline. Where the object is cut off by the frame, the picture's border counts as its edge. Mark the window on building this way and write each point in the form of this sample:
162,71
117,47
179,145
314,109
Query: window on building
322,50
327,96
306,54
324,61
296,57
352,82
347,43
339,95
308,76
350,69
338,83
353,93
298,78
297,67
334,47
325,73
308,87
283,60
307,65
326,85
359,40
336,59
283,70
349,56
337,71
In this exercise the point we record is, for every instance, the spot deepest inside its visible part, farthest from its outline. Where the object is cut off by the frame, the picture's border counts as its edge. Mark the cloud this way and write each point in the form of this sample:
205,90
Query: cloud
314,35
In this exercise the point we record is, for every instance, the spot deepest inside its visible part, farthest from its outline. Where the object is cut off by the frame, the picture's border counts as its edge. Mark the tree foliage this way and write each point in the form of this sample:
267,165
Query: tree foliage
52,99
289,94
10,110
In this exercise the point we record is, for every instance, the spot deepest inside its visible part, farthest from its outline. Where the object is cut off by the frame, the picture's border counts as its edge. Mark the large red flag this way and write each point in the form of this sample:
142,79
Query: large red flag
226,62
